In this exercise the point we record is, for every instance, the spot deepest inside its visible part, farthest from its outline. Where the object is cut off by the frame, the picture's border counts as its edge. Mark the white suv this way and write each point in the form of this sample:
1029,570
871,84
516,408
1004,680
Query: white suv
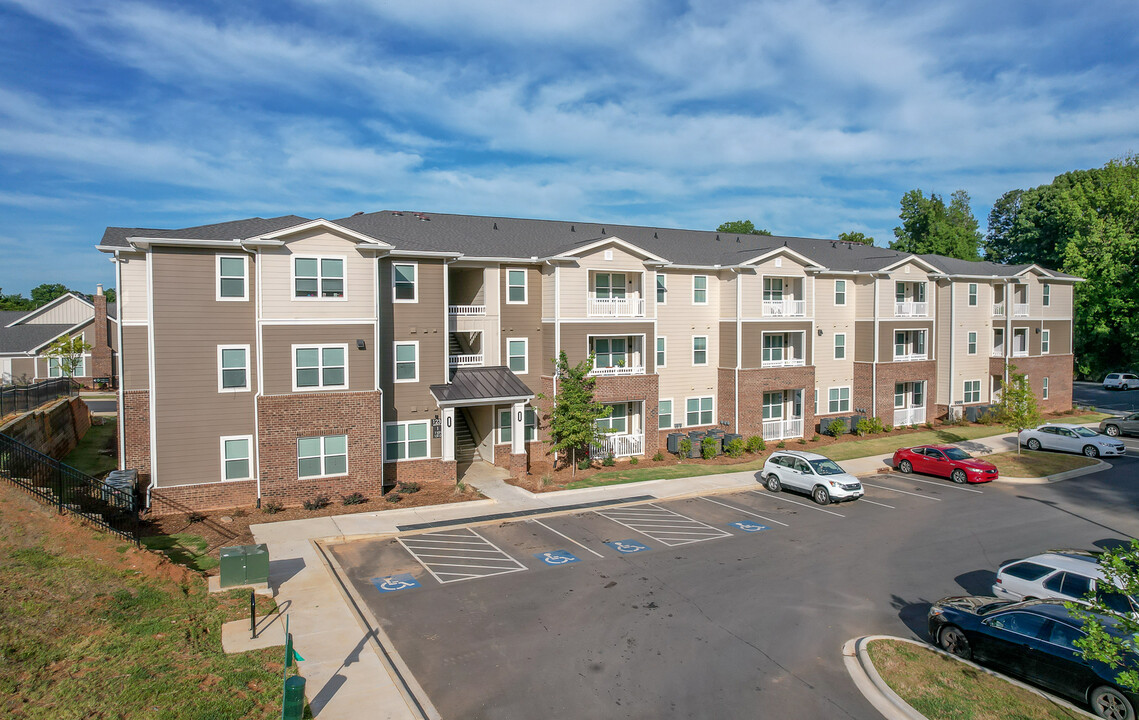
810,472
1120,381
1063,574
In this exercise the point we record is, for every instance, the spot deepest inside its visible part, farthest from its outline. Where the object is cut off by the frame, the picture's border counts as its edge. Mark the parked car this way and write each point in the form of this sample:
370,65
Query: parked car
812,473
1120,381
1061,575
1035,641
1071,438
945,461
1116,426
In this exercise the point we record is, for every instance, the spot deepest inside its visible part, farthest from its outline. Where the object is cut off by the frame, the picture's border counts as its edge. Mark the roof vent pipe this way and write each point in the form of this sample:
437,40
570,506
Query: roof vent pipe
717,237
99,289
496,226
571,229
359,212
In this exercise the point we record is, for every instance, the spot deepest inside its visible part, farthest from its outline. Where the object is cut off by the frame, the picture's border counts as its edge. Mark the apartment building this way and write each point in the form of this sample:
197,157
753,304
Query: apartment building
285,357
26,336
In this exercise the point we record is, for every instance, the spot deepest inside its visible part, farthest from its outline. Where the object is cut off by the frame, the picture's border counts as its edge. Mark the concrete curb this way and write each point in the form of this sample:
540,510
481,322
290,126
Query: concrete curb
1059,477
890,704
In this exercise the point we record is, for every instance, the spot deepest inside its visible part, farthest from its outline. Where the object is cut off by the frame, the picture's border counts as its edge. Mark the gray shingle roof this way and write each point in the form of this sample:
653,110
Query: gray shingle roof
247,228
481,383
23,338
7,317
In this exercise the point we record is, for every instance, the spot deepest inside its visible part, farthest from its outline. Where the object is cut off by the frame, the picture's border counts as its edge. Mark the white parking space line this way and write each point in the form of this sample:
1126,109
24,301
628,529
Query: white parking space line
745,512
664,526
904,492
780,498
863,499
946,484
567,537
442,554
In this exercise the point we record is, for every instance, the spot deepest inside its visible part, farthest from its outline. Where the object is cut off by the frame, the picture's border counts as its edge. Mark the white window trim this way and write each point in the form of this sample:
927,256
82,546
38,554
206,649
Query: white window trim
698,424
319,298
221,447
975,342
849,400
706,351
415,285
707,290
320,387
965,391
525,355
525,285
247,383
1045,294
529,410
1044,390
973,292
656,288
323,455
244,278
1045,342
671,413
405,442
925,341
395,345
84,359
844,292
836,337
661,348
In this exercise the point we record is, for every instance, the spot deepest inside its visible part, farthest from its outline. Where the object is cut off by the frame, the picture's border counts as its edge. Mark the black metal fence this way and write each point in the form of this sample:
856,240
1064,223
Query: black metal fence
21,398
71,491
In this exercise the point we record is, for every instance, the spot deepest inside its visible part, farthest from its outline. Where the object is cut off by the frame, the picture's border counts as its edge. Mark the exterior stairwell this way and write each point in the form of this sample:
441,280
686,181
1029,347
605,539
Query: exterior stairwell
465,446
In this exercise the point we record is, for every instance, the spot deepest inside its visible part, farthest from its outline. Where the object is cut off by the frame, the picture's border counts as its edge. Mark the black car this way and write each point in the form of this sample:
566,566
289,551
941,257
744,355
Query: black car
1034,641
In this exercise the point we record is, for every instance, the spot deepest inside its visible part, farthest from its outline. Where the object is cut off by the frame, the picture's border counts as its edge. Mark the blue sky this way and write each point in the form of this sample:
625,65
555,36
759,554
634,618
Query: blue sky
808,117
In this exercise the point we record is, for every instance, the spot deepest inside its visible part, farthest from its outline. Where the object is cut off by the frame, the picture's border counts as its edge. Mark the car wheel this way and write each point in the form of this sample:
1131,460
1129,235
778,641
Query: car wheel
773,483
906,466
1125,386
821,496
959,476
1112,430
1091,451
1033,444
953,641
1107,702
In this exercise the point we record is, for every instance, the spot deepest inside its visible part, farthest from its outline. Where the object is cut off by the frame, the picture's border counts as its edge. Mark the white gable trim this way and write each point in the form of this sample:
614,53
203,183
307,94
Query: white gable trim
1037,269
274,238
914,259
78,326
806,261
614,240
40,310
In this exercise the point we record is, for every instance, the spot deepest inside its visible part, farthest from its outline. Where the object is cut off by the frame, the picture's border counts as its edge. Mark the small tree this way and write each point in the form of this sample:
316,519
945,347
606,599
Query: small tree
573,420
1017,410
68,352
1112,646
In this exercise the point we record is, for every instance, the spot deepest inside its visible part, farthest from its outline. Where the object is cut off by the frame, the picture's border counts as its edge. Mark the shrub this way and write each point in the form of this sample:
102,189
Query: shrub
271,508
685,447
609,461
913,426
317,503
659,456
460,488
781,445
986,418
407,487
240,512
735,447
815,438
888,428
353,499
755,444
708,448
802,441
547,479
836,428
584,464
634,461
929,426
393,497
196,517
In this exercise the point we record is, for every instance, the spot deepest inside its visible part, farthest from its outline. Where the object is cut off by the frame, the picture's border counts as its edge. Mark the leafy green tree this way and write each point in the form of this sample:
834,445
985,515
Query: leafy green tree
741,227
45,293
855,237
15,301
1113,646
573,420
1018,410
68,351
929,226
110,293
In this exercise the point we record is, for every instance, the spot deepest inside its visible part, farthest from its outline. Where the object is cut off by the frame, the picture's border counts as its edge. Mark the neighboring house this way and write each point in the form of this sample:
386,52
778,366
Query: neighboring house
26,335
284,358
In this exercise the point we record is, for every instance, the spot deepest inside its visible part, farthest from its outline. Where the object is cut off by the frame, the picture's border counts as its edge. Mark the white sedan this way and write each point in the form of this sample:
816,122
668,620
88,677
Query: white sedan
1071,438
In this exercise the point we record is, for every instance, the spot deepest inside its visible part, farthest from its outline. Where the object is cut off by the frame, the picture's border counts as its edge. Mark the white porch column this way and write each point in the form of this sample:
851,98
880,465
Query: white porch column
447,415
518,428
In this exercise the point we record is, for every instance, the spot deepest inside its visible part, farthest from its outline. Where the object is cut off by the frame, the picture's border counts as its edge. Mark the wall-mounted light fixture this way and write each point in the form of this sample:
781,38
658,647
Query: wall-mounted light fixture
360,345
820,332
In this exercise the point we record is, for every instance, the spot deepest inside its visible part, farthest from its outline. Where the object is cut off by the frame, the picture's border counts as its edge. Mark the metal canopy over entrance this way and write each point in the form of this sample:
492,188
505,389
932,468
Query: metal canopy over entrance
476,386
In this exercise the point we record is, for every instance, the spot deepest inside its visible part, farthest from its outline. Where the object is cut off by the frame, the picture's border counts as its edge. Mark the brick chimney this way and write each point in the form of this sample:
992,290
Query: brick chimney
102,365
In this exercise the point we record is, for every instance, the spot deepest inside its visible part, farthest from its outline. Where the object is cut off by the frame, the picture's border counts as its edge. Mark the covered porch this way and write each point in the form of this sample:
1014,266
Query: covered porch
783,414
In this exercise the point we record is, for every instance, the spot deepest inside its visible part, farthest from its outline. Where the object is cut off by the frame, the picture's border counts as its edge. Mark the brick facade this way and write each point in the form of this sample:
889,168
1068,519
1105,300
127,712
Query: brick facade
431,470
102,365
136,434
890,373
861,395
1057,368
754,383
206,496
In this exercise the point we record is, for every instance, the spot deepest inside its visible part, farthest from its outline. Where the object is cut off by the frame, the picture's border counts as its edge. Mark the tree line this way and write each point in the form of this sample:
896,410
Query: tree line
41,295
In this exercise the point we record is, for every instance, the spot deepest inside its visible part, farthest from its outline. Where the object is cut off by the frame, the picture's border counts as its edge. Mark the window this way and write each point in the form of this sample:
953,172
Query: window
660,352
324,456
773,406
698,411
772,348
1045,393
1046,294
839,292
700,350
318,277
529,423
404,285
320,366
816,401
516,356
233,368
407,361
899,292
1070,584
662,289
972,343
972,294
840,346
773,288
972,391
236,452
515,287
1020,341
899,395
55,369
918,394
664,415
618,420
609,286
1066,636
231,278
610,352
405,441
699,289
909,342
998,341
1021,623
1027,570
1045,341
838,400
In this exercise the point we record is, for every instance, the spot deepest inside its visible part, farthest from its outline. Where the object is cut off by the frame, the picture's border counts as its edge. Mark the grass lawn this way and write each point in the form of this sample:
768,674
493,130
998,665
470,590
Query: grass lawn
1029,464
86,456
941,688
632,474
183,548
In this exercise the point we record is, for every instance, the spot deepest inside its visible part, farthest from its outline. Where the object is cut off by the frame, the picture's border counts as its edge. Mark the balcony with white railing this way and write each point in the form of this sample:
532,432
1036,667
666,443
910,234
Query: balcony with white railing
911,357
784,308
911,309
784,362
909,416
780,429
1020,310
998,351
614,307
617,371
998,309
618,446
466,360
466,310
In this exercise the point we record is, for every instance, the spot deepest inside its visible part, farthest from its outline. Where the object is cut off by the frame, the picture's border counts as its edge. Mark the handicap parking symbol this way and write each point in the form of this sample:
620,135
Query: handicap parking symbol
627,546
557,557
392,583
747,526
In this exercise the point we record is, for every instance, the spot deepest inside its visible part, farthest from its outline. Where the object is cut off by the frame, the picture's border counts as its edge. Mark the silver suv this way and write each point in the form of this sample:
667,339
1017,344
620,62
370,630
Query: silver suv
812,473
1062,574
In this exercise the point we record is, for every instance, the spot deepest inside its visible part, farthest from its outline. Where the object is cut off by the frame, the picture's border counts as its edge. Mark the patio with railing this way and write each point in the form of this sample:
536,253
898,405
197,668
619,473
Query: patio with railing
1020,310
911,309
780,429
618,371
909,416
466,310
615,307
784,308
784,362
909,357
618,446
998,309
465,360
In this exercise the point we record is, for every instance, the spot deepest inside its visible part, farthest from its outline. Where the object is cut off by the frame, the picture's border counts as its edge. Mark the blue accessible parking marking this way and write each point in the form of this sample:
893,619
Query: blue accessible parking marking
627,546
557,557
393,583
748,526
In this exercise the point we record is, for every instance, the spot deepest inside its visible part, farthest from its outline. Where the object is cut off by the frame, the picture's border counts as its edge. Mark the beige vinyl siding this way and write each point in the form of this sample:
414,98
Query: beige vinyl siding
832,319
278,354
1060,336
575,283
422,322
863,296
678,323
548,291
886,287
942,293
1061,306
864,341
277,279
23,369
549,352
753,339
752,285
71,311
132,296
727,345
727,295
136,372
525,321
886,331
575,341
966,319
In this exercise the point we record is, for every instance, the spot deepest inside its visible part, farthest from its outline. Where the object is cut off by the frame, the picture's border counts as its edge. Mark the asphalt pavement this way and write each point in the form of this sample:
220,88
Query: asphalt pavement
1089,393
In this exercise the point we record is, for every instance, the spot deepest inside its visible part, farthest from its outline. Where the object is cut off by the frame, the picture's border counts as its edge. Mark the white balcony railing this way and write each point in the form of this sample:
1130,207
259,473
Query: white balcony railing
998,351
468,360
1020,310
618,370
911,357
466,310
1019,353
618,446
911,309
785,362
784,308
779,429
615,307
909,416
998,309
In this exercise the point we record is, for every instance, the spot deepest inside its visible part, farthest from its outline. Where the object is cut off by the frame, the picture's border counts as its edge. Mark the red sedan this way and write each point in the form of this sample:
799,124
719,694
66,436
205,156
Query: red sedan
946,461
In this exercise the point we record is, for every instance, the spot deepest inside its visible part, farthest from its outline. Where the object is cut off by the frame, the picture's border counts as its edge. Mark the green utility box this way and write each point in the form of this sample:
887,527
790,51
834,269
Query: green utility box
244,565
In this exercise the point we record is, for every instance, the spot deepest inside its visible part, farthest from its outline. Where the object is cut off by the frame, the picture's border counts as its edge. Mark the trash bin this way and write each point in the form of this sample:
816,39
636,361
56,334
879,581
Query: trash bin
244,565
294,700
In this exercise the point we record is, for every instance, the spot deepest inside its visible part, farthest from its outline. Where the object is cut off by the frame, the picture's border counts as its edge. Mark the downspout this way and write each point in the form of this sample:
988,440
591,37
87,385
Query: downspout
152,390
952,341
122,422
874,372
739,346
258,317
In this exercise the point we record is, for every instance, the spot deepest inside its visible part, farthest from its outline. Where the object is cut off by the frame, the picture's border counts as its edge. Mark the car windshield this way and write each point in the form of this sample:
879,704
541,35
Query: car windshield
957,454
826,467
986,609
1085,432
